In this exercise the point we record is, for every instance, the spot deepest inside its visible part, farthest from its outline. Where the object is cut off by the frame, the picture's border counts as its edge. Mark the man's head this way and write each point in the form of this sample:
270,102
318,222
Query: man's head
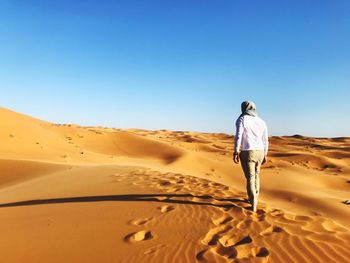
248,108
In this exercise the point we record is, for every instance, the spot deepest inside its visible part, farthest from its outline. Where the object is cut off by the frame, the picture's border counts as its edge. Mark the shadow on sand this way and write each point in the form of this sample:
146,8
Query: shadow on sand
162,198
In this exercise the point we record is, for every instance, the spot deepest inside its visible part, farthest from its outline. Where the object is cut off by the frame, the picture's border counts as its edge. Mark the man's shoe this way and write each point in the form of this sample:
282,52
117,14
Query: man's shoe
254,208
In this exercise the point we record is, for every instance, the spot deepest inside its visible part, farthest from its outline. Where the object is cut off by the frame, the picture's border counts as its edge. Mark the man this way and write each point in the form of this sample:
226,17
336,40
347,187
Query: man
251,146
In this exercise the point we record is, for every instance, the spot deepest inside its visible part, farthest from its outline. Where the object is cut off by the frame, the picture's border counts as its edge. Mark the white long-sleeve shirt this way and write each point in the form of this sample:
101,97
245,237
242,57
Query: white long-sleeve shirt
251,134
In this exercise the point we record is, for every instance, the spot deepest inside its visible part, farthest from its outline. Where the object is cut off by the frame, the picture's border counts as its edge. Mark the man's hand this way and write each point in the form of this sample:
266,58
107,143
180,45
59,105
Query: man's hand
265,160
236,158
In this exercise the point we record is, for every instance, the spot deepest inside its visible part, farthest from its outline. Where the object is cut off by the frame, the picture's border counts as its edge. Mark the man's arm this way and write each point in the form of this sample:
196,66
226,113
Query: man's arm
266,143
238,139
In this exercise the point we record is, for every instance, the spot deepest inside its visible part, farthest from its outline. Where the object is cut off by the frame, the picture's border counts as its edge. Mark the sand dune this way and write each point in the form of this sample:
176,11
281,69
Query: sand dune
92,194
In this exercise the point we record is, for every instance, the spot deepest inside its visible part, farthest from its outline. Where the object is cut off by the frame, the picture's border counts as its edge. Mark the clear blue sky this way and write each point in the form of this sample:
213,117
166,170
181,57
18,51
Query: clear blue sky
179,65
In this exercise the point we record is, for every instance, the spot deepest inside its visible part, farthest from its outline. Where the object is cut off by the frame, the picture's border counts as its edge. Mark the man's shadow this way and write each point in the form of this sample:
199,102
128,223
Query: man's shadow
162,198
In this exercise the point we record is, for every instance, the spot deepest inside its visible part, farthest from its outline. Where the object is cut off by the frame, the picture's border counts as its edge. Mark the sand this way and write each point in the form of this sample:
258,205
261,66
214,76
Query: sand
92,194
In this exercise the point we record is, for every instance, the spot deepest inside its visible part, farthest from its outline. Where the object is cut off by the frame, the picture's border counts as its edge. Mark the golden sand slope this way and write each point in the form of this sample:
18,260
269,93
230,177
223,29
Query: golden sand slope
92,194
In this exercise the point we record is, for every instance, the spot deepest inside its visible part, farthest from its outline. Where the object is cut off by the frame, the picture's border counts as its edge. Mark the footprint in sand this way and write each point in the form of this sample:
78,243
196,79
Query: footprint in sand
166,208
224,239
139,222
153,249
142,235
270,230
263,252
222,220
164,183
244,240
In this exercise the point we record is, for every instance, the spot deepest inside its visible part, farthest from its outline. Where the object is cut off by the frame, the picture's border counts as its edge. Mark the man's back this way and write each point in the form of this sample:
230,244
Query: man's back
251,133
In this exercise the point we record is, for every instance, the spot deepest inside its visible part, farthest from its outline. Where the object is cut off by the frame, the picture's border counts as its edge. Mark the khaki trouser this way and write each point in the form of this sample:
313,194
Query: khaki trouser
251,163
